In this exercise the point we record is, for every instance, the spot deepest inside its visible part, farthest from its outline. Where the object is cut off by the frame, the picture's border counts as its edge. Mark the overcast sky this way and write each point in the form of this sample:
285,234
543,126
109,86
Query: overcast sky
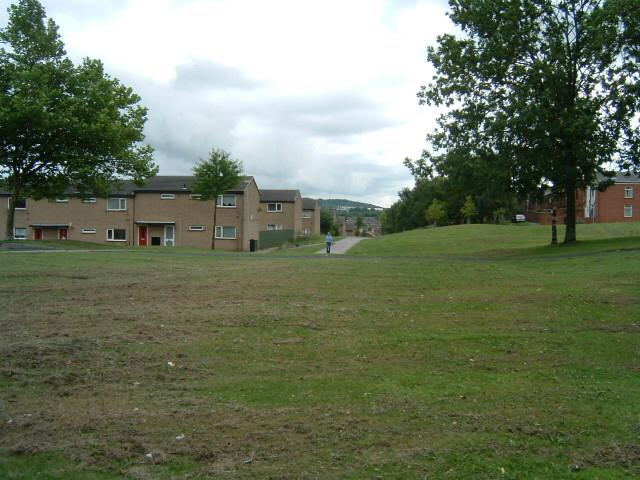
314,95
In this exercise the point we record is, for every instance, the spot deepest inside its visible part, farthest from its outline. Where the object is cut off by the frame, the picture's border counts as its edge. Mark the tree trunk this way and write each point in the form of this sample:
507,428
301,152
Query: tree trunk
215,211
554,229
570,216
11,215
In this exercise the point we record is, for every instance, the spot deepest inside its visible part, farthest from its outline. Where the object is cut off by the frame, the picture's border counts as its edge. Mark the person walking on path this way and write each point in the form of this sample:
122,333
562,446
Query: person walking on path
329,241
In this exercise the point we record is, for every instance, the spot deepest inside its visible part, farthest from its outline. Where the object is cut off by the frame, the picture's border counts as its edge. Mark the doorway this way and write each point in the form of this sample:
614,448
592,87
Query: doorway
169,234
142,236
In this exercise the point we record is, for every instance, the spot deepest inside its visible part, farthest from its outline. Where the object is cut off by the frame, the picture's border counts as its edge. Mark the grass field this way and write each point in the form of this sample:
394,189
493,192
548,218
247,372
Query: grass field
464,352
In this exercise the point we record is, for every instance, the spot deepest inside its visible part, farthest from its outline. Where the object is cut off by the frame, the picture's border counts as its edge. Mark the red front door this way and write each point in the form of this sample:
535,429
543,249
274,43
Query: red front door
37,234
62,234
142,236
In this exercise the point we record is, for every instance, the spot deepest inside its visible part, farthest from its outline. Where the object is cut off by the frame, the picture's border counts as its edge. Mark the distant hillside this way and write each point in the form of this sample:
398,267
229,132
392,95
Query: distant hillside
344,204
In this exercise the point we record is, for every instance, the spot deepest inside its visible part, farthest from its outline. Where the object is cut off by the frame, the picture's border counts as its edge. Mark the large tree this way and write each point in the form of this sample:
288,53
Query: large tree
546,91
213,177
62,126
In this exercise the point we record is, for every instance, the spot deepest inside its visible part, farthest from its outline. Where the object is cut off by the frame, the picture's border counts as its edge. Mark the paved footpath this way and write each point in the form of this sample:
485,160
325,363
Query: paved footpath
342,246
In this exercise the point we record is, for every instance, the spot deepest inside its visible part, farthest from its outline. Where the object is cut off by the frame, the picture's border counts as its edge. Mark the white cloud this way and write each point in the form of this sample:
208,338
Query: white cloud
314,95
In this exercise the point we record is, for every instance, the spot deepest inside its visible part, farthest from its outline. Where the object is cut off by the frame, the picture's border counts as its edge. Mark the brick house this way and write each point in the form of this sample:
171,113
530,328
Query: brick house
310,216
163,212
281,210
618,203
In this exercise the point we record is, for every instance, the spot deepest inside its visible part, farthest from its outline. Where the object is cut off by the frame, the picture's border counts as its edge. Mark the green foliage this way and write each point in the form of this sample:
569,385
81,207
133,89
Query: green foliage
214,176
540,93
62,126
326,221
436,212
359,224
468,210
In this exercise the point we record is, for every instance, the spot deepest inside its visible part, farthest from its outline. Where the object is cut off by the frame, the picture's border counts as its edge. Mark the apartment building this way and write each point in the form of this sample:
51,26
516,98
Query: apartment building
620,202
281,210
310,216
163,212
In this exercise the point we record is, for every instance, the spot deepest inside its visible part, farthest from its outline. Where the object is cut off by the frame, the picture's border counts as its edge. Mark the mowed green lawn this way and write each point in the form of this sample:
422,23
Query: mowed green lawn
463,352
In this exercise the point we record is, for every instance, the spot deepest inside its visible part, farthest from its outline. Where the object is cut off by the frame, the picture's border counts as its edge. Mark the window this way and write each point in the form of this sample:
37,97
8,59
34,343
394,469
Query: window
62,200
628,192
273,226
116,235
19,233
88,230
306,214
225,232
117,204
196,228
167,196
89,200
628,211
195,196
274,207
21,203
226,201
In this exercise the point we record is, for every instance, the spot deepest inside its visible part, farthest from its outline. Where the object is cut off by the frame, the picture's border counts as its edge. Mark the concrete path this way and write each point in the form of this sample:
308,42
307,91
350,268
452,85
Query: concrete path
342,246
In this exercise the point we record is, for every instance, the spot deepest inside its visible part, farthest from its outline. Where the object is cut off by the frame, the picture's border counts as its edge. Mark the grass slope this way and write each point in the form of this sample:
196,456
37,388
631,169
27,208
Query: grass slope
482,365
497,240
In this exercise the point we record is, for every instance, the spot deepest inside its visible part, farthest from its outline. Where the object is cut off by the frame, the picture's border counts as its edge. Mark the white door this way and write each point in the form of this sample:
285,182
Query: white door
169,236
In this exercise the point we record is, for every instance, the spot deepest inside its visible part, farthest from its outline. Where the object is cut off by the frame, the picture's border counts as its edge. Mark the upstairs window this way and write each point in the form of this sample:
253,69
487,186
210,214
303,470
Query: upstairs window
306,214
226,201
628,192
274,207
62,200
89,200
195,196
167,196
21,203
117,204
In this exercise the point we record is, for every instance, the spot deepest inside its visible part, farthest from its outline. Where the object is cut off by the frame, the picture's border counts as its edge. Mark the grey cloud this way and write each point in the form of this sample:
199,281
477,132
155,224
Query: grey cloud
206,75
275,137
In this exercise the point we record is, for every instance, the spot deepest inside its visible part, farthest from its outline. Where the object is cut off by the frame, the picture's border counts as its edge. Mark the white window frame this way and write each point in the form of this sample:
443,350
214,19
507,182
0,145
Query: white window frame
62,200
277,207
89,200
169,241
15,235
167,196
88,230
274,226
17,208
220,232
220,201
121,201
628,192
306,214
196,228
111,231
195,196
628,208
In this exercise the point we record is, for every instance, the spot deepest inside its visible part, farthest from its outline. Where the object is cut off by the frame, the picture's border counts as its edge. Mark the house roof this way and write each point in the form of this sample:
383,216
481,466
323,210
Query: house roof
287,196
164,183
171,183
309,203
621,178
